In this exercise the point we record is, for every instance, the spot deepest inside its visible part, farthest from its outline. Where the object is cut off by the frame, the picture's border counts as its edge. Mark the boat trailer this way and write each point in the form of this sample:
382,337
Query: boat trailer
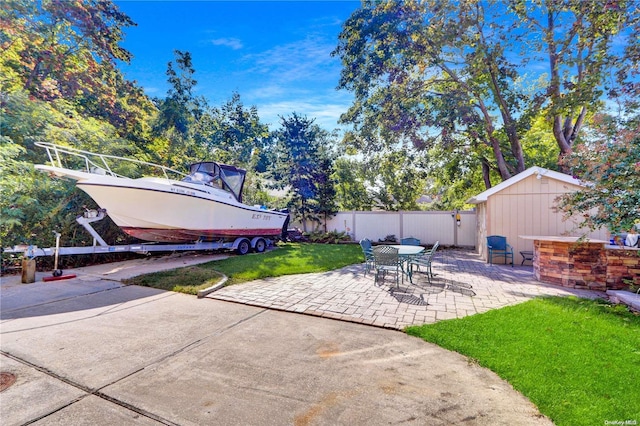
242,245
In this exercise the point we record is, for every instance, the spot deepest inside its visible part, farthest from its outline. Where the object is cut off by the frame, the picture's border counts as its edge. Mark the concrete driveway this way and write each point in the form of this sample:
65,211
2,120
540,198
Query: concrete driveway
93,351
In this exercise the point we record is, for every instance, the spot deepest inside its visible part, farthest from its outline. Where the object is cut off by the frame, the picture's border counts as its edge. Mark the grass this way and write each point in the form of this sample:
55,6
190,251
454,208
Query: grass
578,360
287,259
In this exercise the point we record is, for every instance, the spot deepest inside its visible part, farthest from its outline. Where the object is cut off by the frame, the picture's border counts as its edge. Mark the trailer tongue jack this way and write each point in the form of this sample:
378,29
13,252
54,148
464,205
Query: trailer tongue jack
57,274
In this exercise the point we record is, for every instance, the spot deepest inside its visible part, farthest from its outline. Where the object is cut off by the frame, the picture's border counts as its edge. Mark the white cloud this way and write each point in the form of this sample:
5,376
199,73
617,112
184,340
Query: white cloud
150,90
233,43
300,60
268,91
326,110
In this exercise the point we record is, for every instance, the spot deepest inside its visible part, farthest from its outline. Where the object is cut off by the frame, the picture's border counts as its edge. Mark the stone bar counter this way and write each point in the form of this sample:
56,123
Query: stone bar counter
583,263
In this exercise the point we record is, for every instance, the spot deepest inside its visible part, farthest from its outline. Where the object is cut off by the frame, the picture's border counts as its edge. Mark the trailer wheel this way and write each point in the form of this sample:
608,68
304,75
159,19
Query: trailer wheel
244,246
261,245
57,273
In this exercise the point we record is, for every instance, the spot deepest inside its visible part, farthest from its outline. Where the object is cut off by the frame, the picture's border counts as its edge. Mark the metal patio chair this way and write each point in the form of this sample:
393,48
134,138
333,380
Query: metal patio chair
425,260
497,246
367,250
410,241
387,261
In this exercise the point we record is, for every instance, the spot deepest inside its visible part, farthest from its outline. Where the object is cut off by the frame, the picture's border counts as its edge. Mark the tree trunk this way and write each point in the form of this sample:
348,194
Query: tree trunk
495,143
486,174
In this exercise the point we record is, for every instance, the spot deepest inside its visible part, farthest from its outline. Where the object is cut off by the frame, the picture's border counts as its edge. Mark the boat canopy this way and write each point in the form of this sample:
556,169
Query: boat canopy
227,177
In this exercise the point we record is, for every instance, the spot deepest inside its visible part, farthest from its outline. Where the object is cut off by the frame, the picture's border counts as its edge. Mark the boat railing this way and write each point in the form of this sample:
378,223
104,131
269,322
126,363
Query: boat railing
99,163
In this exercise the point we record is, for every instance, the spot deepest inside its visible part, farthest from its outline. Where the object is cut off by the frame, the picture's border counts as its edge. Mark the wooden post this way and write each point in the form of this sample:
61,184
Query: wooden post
28,271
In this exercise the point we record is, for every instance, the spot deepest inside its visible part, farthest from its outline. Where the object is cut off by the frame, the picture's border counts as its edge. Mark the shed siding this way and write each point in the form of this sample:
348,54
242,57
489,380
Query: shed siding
527,208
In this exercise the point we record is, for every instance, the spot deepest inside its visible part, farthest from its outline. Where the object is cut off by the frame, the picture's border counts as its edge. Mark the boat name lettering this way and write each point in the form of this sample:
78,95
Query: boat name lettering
259,216
182,191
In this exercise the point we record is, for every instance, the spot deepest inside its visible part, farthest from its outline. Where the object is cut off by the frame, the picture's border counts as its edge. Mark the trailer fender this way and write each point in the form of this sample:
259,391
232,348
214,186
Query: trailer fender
259,244
242,246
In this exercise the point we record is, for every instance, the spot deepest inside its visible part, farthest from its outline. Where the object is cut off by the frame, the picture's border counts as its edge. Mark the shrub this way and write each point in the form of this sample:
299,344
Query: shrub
333,237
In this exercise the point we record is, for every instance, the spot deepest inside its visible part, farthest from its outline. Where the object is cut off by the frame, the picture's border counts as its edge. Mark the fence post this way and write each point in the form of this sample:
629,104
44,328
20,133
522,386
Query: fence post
455,228
353,224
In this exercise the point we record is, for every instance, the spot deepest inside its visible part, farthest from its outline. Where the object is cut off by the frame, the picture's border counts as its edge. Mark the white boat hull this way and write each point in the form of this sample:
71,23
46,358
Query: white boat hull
164,210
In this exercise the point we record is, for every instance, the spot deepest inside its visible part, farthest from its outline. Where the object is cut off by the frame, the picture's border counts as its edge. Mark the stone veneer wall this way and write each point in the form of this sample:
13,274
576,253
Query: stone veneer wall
570,264
622,264
585,265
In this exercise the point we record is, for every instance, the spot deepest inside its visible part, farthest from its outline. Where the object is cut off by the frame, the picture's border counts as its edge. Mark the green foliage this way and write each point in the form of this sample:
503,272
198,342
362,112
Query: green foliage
235,135
432,73
609,164
539,145
425,72
395,180
33,205
68,50
454,177
351,192
577,360
582,44
178,114
304,166
331,237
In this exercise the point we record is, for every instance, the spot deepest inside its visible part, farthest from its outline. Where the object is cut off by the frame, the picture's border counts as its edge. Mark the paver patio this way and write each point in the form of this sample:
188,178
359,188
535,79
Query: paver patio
464,285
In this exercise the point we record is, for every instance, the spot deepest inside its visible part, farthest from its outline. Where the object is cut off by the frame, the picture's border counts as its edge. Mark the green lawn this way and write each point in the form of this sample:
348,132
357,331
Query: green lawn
286,259
578,360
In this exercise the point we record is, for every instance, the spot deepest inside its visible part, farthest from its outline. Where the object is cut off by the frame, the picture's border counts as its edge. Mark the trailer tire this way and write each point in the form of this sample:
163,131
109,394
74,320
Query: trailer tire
261,245
57,273
244,246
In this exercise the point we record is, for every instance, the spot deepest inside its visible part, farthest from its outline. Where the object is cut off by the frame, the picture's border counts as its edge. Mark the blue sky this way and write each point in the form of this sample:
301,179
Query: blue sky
275,54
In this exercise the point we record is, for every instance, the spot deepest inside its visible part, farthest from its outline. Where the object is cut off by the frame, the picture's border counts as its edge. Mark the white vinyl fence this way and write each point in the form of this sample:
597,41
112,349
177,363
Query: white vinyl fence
427,226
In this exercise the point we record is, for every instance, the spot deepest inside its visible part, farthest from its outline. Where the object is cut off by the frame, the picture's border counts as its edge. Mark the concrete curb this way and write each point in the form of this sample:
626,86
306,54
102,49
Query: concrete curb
215,287
630,299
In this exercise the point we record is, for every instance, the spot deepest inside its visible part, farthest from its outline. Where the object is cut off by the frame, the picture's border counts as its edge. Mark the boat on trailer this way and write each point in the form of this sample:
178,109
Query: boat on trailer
168,206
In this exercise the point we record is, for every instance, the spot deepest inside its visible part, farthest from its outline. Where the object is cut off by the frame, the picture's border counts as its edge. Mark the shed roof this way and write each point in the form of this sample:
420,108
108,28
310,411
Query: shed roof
483,196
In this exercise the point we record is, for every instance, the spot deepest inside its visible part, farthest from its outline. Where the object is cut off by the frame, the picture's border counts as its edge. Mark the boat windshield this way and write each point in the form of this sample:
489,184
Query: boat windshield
229,178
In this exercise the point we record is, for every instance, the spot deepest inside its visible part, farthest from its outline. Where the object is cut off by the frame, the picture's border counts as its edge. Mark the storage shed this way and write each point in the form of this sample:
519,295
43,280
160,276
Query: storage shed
524,205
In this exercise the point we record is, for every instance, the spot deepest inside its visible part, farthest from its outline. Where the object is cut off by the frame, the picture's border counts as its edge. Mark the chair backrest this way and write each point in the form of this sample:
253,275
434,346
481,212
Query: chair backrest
410,241
497,242
367,249
386,256
365,243
435,247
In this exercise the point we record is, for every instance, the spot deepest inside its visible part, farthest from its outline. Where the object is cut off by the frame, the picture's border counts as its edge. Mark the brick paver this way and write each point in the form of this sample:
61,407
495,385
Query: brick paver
464,285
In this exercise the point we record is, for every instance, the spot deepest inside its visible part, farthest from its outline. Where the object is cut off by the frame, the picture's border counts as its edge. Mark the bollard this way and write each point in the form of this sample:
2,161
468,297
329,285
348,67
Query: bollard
28,271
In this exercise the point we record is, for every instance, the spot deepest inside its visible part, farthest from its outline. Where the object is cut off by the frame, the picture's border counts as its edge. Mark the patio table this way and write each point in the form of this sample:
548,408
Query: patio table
405,252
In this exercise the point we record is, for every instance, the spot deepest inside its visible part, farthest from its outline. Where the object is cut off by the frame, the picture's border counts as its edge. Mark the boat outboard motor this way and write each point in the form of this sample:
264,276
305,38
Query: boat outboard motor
285,226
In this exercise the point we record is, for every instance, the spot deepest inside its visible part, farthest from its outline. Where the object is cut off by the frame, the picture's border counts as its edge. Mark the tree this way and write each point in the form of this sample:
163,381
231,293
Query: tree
66,50
429,73
31,203
351,192
581,42
609,165
453,177
235,135
424,72
394,180
304,166
180,109
179,112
